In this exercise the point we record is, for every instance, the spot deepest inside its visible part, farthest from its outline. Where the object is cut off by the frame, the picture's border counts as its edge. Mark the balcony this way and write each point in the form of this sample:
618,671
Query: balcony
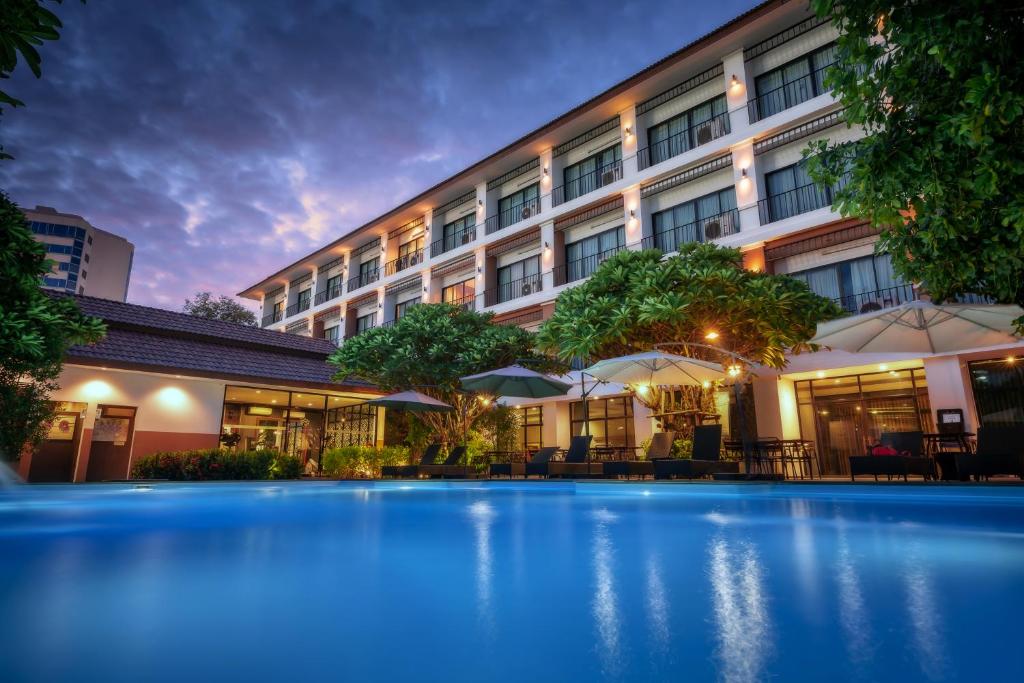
702,230
273,317
866,302
586,183
326,295
788,95
513,214
796,201
402,262
296,308
453,241
696,135
582,268
467,303
514,289
362,280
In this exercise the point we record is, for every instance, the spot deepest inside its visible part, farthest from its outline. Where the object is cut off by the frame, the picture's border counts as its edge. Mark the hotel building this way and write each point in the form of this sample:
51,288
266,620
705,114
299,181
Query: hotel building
704,145
86,260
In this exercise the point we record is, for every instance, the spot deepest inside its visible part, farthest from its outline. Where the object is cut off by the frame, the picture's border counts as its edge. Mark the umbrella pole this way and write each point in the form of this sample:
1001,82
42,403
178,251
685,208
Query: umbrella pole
747,455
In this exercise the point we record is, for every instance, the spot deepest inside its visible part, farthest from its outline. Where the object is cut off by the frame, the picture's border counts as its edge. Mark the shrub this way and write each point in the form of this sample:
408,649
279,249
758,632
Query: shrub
214,464
361,462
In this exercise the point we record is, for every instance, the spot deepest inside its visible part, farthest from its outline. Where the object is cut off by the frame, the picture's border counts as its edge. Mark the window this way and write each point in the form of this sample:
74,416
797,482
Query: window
458,232
519,205
610,420
368,271
601,169
792,83
354,425
85,274
333,334
89,240
366,322
998,391
698,220
63,266
791,192
333,287
583,257
859,285
58,248
531,427
278,311
302,301
409,253
402,308
693,127
461,293
86,258
521,278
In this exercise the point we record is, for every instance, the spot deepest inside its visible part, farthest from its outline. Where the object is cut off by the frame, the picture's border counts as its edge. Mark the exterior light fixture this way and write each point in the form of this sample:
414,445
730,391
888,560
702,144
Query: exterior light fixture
1011,360
545,170
424,290
743,173
479,270
821,374
734,370
706,384
629,131
480,202
632,213
711,336
642,389
734,81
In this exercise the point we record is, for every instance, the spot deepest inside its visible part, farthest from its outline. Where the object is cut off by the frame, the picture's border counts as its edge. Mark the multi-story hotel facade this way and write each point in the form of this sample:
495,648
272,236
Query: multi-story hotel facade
704,145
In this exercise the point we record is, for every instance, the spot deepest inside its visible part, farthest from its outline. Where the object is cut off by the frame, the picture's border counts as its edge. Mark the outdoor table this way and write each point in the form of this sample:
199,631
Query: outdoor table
937,442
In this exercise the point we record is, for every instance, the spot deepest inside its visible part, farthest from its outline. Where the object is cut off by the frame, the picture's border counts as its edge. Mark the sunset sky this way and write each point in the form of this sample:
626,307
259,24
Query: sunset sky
226,139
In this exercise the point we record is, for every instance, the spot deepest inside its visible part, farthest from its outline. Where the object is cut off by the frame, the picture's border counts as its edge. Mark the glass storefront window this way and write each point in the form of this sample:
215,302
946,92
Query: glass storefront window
610,420
531,427
998,387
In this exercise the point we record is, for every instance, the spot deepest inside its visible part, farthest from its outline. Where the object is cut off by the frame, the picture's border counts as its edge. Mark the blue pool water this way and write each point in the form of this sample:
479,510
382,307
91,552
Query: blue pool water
529,582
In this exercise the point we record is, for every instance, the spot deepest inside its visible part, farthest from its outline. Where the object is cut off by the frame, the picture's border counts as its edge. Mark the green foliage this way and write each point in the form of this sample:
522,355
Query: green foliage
36,330
636,299
499,427
939,90
428,349
361,462
215,464
203,305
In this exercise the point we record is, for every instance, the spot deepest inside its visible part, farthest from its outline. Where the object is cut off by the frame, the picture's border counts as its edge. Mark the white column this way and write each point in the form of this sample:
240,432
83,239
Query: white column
428,232
429,295
766,405
547,255
627,123
948,388
382,314
547,179
480,260
633,217
744,174
734,71
482,209
643,423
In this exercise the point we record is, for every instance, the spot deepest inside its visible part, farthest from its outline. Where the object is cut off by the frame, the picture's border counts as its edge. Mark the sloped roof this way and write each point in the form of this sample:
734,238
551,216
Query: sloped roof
145,338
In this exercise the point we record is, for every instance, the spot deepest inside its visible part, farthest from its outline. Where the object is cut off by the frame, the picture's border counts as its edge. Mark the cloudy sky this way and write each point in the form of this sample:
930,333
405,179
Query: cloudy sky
226,139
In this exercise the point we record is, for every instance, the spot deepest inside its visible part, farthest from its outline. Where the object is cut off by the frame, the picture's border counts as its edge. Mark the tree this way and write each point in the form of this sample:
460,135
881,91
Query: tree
203,305
24,24
637,299
36,330
428,350
939,90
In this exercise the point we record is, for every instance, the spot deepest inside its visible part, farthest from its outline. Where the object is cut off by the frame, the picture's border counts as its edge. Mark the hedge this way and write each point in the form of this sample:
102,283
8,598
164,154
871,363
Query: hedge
361,462
215,464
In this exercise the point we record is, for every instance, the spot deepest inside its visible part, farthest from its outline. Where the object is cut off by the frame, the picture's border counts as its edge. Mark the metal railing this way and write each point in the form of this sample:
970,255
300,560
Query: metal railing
512,215
515,289
357,332
402,262
297,307
581,268
865,302
788,95
467,302
362,280
694,136
332,292
796,201
273,317
586,183
455,239
701,230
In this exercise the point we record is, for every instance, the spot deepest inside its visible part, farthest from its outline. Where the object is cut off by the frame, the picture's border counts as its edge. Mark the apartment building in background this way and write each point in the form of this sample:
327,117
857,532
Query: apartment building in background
87,260
704,145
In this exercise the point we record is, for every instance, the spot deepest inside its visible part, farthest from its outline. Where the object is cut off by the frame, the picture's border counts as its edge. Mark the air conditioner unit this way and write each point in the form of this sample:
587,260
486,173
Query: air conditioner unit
467,237
712,230
608,177
526,213
709,130
527,288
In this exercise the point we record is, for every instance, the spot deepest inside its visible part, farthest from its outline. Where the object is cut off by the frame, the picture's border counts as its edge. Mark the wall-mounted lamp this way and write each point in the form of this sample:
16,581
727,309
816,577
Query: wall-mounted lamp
743,173
545,170
479,270
480,202
632,213
380,304
628,130
424,290
734,81
382,248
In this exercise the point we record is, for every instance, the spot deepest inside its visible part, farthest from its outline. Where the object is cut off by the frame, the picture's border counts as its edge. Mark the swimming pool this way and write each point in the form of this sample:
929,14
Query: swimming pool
511,582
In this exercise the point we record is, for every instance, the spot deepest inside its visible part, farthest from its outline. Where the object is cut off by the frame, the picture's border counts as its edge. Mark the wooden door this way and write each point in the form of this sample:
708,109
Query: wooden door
111,447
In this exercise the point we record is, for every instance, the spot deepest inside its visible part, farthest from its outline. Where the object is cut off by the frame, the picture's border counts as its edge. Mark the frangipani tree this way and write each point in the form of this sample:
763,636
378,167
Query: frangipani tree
638,299
429,349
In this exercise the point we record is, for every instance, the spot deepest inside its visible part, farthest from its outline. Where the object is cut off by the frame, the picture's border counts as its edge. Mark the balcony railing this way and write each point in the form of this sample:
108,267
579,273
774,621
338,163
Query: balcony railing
513,214
402,262
702,230
273,317
362,280
332,292
467,303
297,307
796,201
357,332
866,302
581,268
455,239
683,141
513,290
588,182
788,95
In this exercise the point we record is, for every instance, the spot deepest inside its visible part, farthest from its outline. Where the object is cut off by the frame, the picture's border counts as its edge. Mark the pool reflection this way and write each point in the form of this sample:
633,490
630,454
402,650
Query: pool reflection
482,513
605,603
923,609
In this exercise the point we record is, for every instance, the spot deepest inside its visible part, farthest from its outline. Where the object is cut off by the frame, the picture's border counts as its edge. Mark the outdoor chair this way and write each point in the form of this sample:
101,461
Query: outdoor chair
577,460
911,446
450,467
408,471
1000,451
538,464
659,448
518,469
888,466
707,448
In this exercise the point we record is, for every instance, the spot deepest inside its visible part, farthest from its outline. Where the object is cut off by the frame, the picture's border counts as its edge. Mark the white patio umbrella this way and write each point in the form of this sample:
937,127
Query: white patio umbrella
922,327
656,368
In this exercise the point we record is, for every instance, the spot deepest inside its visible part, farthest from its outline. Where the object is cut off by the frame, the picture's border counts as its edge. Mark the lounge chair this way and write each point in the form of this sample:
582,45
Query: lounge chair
707,447
450,467
659,448
518,469
538,464
577,460
909,446
1000,451
409,471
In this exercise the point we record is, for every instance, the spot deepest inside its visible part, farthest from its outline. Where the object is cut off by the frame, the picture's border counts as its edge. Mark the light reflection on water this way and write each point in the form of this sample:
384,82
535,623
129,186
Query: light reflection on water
741,614
924,606
605,603
482,514
859,641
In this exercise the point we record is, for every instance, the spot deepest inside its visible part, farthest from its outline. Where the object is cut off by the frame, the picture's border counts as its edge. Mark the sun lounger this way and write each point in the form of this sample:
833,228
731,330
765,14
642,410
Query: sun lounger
518,469
659,448
409,471
577,460
1000,451
451,467
707,447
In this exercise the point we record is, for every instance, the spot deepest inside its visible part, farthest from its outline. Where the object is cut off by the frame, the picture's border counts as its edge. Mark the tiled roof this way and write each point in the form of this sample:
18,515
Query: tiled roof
153,339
